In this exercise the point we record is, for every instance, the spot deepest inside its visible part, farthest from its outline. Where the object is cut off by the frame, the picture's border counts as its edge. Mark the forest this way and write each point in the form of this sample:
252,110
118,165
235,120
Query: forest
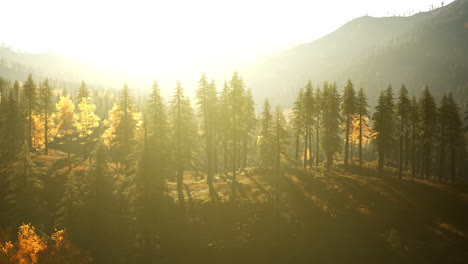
96,176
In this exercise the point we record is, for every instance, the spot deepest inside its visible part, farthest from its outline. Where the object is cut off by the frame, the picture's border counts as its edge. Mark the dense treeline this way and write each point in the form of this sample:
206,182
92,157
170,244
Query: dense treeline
130,151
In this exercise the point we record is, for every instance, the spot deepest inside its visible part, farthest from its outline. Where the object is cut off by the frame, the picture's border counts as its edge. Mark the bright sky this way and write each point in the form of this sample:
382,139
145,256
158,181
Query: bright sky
163,36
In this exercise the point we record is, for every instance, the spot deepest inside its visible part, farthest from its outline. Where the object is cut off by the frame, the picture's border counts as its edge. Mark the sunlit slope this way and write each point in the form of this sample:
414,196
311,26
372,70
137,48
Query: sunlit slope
426,48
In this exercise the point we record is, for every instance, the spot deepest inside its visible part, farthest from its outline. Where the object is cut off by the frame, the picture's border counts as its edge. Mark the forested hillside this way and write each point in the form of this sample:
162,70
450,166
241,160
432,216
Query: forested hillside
426,48
178,179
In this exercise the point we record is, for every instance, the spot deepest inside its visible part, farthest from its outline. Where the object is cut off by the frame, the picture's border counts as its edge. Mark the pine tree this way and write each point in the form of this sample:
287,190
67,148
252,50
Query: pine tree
248,124
362,112
427,111
83,92
298,121
24,185
414,133
349,109
70,204
224,123
99,205
265,137
87,123
403,111
236,95
308,100
331,119
29,104
122,128
206,96
12,128
46,96
318,115
280,142
384,126
183,127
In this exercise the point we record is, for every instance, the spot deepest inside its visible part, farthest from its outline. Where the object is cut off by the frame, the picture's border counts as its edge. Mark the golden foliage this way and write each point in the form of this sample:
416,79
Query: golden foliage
354,130
38,136
66,119
31,249
87,119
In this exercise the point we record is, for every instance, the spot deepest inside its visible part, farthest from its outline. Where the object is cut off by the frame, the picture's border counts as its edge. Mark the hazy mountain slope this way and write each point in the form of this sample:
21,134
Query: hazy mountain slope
429,47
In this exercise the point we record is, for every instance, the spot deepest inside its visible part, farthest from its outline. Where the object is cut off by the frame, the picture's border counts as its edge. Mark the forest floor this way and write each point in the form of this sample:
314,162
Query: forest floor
336,216
357,217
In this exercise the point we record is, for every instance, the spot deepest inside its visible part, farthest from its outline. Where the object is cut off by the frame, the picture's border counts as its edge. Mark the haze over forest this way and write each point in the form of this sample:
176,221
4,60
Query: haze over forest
234,132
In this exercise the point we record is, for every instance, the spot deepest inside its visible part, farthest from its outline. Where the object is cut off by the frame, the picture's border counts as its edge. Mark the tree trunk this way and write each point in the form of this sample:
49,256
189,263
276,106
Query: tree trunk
317,143
310,147
297,148
400,163
346,141
305,146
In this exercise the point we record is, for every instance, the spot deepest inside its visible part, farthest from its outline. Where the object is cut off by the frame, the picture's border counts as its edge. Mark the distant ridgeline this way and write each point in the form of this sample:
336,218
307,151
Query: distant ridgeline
428,48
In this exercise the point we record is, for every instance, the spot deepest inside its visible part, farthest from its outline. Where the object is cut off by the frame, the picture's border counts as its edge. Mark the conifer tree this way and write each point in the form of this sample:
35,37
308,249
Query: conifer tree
29,100
183,127
427,111
122,127
349,109
403,111
12,128
384,126
331,119
83,92
24,185
225,123
265,137
317,114
280,141
248,123
308,100
298,121
362,112
70,204
206,96
236,94
46,96
414,133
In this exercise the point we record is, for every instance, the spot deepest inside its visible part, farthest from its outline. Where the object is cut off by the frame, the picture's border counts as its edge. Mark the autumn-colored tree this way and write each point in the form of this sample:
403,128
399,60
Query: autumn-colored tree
66,123
87,123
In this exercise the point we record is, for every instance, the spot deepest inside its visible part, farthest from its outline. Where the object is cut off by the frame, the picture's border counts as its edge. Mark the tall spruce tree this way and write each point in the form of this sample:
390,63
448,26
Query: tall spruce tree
29,101
46,96
384,126
265,137
427,111
331,120
298,122
349,108
207,105
362,112
403,112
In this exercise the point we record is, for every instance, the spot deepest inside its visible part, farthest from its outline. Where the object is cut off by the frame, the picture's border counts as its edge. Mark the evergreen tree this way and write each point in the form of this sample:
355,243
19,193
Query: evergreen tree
12,129
298,121
236,95
331,119
29,101
248,123
70,204
414,133
265,137
403,112
384,126
225,123
46,96
207,100
122,127
280,142
83,92
308,100
183,128
362,112
427,111
349,109
24,186
318,115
